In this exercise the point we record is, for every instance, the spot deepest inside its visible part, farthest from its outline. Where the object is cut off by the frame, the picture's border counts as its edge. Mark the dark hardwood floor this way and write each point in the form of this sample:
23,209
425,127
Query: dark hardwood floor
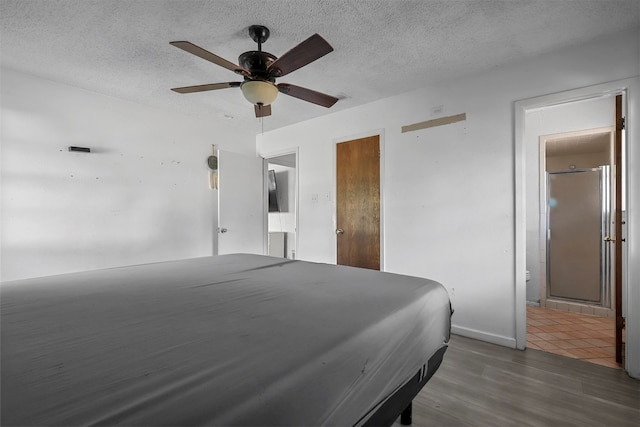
481,384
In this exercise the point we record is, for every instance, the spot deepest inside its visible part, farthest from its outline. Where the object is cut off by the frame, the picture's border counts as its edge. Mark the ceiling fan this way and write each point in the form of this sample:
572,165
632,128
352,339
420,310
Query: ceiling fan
260,70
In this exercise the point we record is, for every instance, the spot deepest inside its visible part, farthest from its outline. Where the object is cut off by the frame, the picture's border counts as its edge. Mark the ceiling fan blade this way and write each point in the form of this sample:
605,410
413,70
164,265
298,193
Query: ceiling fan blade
307,94
262,110
306,52
211,57
203,88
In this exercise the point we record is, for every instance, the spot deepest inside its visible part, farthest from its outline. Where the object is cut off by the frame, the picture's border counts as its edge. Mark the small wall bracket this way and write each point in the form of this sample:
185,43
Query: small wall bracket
79,149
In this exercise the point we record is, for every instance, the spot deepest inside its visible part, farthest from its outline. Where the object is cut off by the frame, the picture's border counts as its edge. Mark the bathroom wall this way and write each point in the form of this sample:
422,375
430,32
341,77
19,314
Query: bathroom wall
578,161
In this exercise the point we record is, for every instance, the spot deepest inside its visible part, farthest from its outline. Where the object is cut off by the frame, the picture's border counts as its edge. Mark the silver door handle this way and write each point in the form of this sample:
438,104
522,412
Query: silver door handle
339,231
222,230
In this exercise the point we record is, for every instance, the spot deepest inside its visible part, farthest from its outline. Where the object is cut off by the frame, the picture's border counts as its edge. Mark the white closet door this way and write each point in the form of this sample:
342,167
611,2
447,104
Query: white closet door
240,204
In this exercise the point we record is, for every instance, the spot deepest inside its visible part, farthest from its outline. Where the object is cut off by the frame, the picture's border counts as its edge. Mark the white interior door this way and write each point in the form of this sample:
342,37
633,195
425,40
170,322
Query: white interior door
240,204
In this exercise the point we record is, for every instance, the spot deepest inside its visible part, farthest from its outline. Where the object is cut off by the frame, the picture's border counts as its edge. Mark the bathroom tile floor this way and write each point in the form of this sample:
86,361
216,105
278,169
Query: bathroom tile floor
575,335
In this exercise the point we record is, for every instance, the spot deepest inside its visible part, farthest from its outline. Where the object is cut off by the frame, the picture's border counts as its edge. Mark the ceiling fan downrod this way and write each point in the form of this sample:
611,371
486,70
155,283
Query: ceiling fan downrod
259,34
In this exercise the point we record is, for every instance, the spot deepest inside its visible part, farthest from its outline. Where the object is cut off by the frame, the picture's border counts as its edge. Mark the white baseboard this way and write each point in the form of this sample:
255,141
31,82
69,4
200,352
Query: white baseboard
484,336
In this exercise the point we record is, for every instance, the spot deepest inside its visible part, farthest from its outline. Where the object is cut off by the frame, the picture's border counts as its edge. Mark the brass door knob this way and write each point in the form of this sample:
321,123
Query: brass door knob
339,231
609,239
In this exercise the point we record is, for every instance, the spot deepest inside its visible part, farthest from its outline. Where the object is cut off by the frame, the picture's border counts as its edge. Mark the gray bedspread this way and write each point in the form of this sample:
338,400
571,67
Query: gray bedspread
228,340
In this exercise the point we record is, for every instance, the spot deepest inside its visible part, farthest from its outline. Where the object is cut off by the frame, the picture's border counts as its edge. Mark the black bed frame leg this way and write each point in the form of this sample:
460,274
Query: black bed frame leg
405,417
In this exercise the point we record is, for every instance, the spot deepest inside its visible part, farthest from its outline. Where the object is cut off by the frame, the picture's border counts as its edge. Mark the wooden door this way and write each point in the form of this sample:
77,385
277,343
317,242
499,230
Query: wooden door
618,239
358,202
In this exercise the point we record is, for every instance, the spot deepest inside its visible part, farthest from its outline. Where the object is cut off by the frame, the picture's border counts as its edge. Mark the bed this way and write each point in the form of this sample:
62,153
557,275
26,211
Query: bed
227,340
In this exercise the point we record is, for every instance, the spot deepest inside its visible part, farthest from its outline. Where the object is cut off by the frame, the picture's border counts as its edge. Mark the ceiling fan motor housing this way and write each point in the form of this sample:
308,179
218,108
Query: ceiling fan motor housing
257,62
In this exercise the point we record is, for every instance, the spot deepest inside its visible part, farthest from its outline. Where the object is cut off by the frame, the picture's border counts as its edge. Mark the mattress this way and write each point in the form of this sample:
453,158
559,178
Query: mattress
228,340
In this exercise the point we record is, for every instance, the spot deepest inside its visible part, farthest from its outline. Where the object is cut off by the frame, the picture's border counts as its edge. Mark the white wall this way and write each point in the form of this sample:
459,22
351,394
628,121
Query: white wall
140,196
448,192
575,116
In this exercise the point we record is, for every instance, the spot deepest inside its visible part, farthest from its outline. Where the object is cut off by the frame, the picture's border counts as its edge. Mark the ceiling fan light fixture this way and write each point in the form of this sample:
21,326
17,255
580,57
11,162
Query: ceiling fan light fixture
259,92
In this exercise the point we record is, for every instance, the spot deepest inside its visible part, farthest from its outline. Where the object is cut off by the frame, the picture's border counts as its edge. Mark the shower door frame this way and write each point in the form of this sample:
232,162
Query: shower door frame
605,240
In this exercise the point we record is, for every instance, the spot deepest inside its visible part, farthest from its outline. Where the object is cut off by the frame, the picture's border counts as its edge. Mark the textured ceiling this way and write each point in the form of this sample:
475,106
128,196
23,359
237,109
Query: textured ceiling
121,47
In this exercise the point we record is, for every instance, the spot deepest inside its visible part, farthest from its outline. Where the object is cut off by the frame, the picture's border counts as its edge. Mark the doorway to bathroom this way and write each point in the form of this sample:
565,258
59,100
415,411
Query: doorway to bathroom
575,317
571,223
282,201
576,189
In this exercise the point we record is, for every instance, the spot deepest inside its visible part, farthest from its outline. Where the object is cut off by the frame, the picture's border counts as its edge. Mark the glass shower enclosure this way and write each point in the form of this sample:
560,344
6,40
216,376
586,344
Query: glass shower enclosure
578,242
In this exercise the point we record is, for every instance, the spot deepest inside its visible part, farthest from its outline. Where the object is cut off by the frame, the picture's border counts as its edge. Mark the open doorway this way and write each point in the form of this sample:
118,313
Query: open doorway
553,150
282,199
574,315
576,185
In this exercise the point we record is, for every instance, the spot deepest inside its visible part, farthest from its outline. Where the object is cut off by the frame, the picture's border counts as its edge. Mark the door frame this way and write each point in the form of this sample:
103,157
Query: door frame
631,294
380,134
265,166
